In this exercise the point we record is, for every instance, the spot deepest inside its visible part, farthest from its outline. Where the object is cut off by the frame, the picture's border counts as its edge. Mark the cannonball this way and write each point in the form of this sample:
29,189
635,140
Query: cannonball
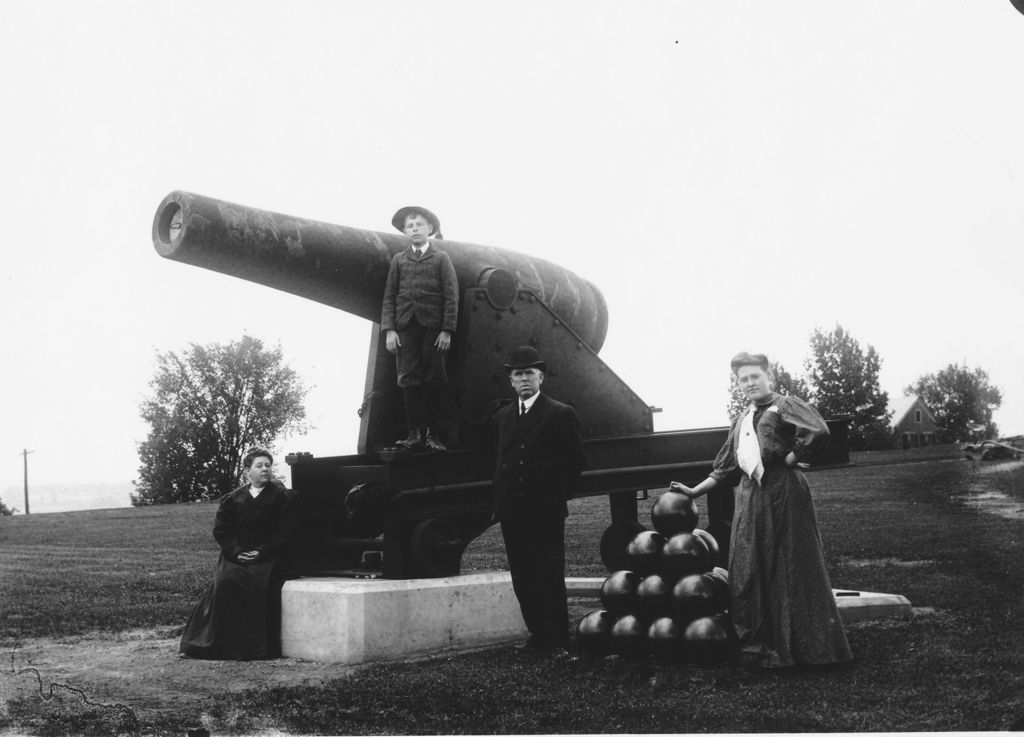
697,595
653,598
708,640
684,554
618,592
644,552
629,637
594,633
614,541
712,544
720,578
674,513
665,640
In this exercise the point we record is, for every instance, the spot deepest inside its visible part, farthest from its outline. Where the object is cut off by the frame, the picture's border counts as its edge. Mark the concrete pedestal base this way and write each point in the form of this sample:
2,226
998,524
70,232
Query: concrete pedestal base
351,621
339,620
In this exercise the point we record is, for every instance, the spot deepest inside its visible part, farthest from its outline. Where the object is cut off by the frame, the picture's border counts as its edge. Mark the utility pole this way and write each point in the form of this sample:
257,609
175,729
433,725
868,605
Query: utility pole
24,455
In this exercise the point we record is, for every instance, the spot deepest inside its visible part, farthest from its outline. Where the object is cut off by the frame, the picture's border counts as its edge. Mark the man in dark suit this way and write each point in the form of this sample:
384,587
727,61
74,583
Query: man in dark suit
540,457
418,317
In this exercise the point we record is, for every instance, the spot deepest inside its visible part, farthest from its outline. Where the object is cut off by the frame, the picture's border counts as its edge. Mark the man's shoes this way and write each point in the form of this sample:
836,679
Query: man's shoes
532,645
562,654
556,648
434,445
413,442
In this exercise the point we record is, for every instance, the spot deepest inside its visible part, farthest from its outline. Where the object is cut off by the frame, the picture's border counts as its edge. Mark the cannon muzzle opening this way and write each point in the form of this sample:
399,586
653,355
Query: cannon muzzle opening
167,227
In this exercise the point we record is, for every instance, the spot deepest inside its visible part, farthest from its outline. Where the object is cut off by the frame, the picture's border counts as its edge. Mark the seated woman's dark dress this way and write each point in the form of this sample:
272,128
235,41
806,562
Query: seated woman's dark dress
238,616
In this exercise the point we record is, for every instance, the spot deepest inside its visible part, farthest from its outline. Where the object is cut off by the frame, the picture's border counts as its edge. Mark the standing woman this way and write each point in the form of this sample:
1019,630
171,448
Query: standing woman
239,615
781,601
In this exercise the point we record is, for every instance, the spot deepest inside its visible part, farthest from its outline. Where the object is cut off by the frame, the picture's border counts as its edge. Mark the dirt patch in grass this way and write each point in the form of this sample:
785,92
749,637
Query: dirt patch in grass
992,502
989,468
984,495
865,562
140,670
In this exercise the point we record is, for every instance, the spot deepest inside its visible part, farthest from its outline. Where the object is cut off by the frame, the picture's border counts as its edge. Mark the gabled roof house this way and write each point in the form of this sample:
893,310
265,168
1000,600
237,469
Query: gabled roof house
912,422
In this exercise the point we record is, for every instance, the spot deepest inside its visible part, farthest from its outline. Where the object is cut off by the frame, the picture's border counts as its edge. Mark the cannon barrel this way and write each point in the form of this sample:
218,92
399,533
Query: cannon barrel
347,268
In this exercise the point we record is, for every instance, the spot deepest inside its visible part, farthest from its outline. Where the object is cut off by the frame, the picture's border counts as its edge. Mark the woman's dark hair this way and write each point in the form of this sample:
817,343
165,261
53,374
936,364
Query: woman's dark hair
253,453
749,359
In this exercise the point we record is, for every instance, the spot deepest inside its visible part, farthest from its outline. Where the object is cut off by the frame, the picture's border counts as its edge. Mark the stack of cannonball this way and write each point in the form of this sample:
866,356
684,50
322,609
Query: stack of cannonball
671,601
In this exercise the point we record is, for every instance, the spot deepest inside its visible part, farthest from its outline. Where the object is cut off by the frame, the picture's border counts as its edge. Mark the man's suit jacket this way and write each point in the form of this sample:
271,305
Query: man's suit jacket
539,460
426,287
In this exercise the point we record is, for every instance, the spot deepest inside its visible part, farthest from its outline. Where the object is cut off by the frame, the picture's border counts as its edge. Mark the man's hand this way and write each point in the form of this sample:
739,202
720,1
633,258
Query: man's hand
443,342
248,556
391,342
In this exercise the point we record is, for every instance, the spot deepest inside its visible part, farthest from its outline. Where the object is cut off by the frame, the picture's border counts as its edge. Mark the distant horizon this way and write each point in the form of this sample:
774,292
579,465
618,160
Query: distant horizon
64,497
56,498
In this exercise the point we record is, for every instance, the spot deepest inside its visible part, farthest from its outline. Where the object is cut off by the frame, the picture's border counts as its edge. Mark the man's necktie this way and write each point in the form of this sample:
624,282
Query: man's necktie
522,410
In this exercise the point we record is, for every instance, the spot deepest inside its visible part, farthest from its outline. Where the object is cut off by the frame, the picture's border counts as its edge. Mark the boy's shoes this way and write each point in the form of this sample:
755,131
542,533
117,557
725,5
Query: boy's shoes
434,445
420,440
413,442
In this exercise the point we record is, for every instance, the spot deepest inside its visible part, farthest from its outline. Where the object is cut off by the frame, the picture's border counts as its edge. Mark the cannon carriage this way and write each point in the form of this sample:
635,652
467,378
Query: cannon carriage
406,515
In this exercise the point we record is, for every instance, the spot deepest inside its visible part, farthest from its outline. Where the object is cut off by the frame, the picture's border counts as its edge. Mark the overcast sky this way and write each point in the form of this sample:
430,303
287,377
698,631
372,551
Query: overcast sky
730,174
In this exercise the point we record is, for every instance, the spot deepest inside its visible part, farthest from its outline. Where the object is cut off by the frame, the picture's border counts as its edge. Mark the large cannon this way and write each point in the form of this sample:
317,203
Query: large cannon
418,510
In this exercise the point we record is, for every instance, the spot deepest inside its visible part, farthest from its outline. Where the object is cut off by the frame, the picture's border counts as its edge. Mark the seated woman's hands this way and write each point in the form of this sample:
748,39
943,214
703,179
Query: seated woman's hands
248,556
792,462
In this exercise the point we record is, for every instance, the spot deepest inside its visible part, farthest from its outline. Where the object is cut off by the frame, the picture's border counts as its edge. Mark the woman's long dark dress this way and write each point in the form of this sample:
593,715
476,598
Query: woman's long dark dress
781,600
238,616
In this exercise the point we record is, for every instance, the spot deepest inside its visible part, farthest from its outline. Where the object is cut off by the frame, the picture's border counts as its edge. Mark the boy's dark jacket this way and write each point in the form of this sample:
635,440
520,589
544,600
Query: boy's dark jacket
426,288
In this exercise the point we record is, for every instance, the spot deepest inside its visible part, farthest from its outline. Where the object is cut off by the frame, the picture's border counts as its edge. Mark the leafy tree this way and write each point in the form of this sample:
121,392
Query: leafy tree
843,380
209,404
6,511
962,400
783,382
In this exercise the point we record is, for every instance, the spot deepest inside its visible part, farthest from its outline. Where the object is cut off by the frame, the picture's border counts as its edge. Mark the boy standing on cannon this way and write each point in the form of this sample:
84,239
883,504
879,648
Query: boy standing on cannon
421,306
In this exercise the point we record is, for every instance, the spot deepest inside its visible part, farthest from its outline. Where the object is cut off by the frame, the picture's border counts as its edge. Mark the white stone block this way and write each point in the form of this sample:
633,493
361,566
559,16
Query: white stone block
344,620
868,605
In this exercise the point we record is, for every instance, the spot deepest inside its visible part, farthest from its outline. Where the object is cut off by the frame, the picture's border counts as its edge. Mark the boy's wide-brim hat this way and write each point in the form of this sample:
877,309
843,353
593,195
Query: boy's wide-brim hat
525,356
399,218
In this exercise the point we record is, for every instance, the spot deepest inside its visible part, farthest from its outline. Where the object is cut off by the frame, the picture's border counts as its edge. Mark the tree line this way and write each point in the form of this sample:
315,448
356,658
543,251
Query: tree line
209,403
841,379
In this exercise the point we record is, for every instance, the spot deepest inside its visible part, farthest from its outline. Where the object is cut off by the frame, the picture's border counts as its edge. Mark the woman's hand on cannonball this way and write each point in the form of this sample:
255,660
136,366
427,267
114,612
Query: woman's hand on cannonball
682,489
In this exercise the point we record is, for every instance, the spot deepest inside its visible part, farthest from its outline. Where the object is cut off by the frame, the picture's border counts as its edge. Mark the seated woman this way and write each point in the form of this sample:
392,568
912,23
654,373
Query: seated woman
239,615
780,598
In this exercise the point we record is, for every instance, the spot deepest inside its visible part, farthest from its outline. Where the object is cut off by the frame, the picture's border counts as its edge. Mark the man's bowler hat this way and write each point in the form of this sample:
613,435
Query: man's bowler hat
523,357
399,218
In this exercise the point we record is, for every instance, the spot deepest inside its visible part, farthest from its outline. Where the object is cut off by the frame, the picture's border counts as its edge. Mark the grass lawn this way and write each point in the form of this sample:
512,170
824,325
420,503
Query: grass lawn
910,528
